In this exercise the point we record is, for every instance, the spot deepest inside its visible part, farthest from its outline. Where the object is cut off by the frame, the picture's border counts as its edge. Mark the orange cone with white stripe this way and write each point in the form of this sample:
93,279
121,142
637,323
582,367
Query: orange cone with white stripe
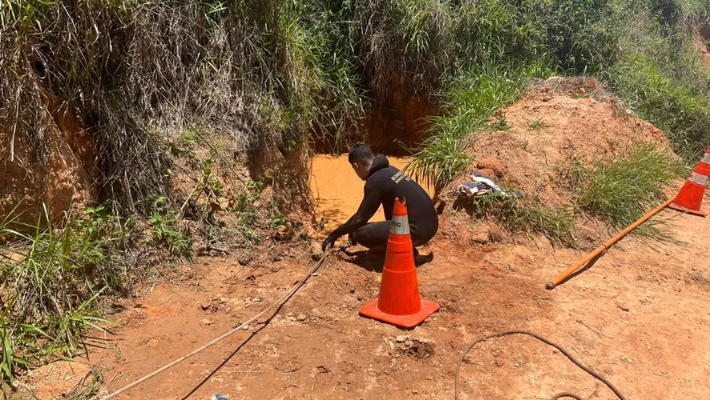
400,303
691,195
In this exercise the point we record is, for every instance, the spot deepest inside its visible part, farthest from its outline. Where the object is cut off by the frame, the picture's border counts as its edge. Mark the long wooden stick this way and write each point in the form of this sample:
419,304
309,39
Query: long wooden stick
560,278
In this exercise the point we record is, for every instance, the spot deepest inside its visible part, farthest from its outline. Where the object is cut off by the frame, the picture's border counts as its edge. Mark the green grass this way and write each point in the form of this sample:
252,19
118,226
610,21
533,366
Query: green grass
51,283
622,189
660,75
87,388
527,216
501,125
537,124
678,106
166,229
468,103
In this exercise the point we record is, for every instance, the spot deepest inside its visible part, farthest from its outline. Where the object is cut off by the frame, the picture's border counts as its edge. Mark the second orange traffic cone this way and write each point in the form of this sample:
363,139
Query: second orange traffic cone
400,303
691,195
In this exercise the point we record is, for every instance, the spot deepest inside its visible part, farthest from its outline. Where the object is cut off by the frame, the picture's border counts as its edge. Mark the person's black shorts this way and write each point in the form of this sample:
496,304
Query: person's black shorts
374,235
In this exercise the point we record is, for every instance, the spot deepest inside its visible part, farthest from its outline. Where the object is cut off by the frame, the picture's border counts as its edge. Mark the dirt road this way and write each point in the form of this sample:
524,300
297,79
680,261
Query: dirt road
639,317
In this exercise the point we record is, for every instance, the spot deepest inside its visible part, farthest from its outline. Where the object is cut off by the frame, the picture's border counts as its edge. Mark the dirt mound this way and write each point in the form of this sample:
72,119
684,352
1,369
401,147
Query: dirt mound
559,122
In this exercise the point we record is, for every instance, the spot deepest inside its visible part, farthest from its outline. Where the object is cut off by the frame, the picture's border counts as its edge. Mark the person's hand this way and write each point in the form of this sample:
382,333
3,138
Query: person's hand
330,240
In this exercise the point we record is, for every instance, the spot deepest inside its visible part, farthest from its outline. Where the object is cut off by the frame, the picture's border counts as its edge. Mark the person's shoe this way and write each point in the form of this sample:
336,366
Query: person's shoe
420,260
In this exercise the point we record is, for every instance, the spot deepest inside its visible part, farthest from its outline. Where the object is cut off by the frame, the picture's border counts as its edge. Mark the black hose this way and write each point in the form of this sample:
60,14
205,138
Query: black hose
563,351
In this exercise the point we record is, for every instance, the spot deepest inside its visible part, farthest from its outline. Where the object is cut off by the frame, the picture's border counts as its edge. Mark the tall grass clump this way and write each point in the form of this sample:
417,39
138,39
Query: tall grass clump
468,102
622,189
526,216
403,45
680,108
51,282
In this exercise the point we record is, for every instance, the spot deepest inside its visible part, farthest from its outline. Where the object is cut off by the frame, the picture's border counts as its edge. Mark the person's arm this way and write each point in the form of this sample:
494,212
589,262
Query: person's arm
368,207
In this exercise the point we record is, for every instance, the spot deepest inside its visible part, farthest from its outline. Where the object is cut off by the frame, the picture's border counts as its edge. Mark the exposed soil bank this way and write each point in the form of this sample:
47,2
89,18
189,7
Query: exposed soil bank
58,172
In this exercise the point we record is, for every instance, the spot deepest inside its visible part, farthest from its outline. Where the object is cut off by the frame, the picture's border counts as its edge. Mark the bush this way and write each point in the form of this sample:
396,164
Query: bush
621,190
166,229
660,74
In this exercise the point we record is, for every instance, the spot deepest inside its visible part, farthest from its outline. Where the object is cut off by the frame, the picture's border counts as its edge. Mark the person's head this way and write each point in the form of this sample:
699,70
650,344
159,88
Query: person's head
360,158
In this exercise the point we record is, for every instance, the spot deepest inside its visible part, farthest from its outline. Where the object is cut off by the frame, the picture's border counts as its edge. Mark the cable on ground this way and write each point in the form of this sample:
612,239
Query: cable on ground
563,351
278,302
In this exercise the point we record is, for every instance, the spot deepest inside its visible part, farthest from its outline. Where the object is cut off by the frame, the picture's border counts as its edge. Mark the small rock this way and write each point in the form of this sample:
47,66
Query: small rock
283,233
291,367
492,164
480,236
624,308
301,317
244,260
206,322
495,235
401,338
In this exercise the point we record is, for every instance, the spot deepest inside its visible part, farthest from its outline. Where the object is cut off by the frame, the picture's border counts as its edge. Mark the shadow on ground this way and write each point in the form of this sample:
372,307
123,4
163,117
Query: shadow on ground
375,261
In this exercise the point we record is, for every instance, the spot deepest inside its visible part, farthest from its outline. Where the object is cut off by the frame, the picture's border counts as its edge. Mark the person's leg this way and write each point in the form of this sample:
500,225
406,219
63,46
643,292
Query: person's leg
419,238
373,236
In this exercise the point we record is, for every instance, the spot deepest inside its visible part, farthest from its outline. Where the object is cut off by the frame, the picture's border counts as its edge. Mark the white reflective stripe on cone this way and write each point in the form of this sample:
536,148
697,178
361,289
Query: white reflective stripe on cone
400,225
699,179
706,159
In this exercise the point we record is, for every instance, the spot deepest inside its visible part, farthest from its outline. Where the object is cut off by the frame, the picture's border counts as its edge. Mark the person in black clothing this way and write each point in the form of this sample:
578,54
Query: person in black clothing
384,183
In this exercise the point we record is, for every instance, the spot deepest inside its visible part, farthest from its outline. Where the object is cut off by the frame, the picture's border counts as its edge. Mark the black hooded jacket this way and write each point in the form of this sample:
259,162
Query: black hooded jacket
385,183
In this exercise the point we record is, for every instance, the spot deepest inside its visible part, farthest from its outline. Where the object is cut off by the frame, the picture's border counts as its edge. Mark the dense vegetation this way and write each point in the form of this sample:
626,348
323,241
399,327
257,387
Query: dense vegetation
277,77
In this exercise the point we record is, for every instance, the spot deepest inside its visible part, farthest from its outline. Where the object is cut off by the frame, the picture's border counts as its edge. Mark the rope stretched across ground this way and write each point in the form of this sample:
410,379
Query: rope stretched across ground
281,300
563,351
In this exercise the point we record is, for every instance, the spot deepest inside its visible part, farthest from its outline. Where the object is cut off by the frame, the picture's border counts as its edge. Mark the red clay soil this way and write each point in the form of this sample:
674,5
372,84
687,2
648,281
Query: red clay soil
639,317
580,123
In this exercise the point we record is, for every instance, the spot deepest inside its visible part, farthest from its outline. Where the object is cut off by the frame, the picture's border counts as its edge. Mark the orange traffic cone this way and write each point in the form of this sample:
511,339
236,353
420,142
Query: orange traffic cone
691,195
400,303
